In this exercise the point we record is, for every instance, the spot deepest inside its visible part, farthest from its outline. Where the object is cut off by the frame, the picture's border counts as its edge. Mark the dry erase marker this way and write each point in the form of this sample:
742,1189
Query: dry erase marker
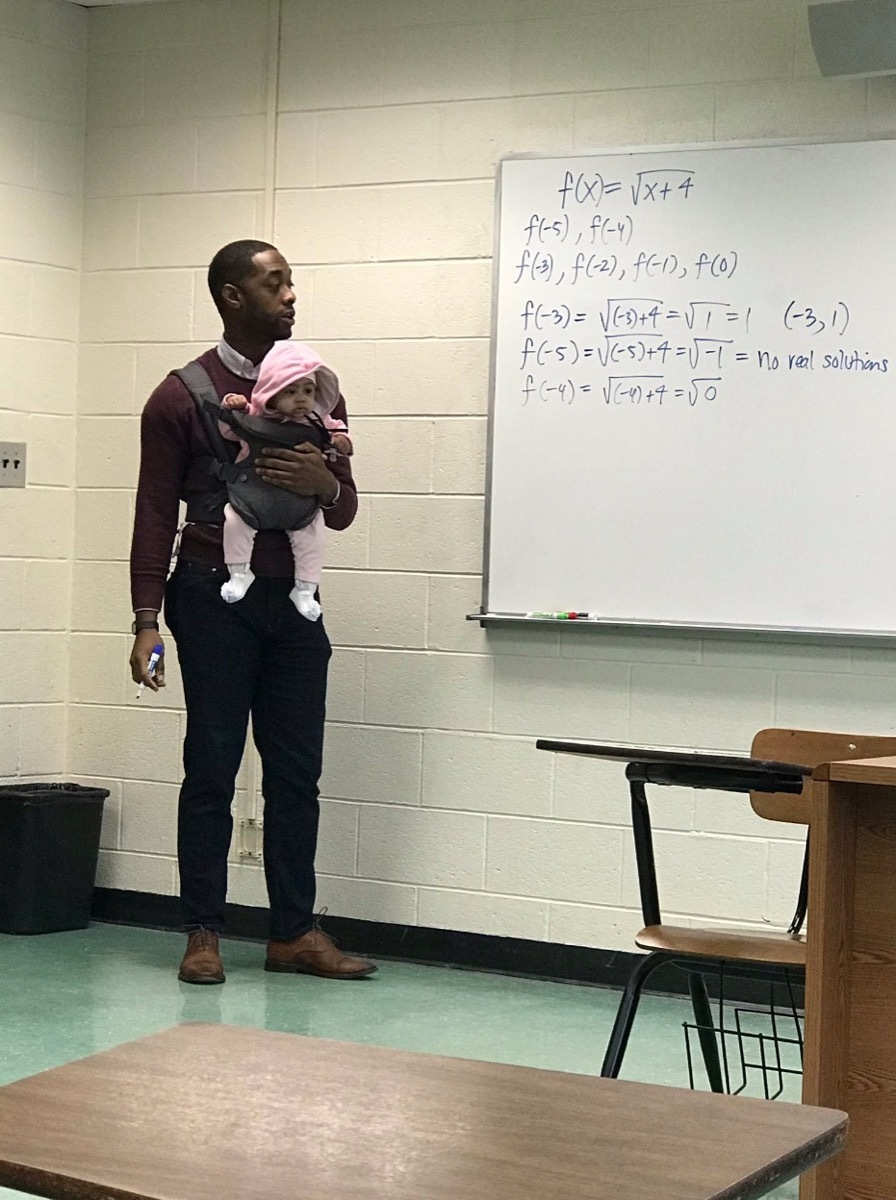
563,616
157,652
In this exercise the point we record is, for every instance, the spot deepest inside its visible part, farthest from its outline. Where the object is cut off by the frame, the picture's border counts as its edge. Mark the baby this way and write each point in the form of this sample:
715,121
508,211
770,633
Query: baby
293,386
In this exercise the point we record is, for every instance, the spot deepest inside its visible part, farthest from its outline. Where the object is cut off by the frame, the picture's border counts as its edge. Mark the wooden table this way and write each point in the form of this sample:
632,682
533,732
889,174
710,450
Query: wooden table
210,1112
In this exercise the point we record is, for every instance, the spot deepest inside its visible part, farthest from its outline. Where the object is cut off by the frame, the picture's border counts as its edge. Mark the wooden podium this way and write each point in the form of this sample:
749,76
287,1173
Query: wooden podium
850,1050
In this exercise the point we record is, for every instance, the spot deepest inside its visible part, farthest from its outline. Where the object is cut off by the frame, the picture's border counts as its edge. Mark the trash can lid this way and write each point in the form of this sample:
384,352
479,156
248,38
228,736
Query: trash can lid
51,793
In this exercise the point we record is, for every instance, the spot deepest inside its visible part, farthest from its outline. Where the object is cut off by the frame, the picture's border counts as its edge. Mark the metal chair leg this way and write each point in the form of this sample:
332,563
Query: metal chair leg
625,1014
705,1031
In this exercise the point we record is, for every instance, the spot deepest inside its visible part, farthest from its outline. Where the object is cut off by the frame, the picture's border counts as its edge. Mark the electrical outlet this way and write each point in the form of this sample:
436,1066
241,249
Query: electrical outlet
250,838
12,464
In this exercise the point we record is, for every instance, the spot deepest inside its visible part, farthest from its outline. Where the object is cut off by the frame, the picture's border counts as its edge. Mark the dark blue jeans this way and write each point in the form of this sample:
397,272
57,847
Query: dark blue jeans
257,657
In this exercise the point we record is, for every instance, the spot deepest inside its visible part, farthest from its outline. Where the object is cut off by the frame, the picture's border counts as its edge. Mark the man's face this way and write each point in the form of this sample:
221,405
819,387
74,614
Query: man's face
267,300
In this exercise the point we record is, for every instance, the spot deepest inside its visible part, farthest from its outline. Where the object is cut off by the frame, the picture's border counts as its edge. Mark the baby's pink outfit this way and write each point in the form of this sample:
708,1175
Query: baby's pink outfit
285,363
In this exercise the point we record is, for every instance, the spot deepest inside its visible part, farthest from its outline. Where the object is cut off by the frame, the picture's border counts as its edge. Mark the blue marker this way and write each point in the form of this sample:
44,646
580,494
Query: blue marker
157,652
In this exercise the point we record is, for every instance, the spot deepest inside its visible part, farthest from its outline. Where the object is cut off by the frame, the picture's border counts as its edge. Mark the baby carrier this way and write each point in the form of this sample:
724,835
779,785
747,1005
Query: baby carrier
260,504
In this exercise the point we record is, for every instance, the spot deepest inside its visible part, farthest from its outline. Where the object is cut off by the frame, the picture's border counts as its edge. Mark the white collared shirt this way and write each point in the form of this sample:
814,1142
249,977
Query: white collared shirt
234,361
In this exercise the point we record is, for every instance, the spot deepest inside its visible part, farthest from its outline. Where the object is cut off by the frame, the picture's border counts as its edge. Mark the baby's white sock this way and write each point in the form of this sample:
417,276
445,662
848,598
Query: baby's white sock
241,579
302,596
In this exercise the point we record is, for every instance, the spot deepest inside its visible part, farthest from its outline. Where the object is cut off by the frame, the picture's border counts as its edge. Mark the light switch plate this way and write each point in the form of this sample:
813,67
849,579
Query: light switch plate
12,464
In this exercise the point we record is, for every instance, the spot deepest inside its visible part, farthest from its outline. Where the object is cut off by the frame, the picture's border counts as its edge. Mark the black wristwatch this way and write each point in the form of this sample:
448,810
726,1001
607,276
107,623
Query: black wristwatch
137,626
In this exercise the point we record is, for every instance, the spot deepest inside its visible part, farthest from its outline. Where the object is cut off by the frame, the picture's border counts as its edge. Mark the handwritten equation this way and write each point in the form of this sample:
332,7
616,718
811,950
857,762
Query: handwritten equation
587,330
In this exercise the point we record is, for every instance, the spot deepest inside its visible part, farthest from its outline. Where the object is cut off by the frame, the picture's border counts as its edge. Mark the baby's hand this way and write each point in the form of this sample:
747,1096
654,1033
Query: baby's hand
342,444
234,400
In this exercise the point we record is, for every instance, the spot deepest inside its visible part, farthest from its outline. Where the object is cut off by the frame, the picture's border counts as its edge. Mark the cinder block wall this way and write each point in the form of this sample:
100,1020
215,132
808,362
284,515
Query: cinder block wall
374,173
42,123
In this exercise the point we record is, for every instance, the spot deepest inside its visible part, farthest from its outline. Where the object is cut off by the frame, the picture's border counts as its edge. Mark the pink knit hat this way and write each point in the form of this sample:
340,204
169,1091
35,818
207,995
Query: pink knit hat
285,363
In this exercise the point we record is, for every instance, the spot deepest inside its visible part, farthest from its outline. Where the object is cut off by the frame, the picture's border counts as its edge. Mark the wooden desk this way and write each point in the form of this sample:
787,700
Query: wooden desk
725,771
210,1112
850,1057
850,1035
677,766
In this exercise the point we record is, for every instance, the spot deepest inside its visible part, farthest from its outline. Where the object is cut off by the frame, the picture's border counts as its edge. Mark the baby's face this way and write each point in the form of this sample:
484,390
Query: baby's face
296,399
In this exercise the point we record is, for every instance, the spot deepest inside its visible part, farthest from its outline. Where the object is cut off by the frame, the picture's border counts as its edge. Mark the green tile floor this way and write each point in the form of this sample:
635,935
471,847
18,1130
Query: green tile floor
66,995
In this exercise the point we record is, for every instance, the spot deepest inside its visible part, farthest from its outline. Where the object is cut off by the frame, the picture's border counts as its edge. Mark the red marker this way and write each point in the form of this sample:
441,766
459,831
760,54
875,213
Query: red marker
563,616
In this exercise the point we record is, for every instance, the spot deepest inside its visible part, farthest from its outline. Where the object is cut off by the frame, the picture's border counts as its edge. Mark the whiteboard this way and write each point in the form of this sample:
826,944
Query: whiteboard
693,409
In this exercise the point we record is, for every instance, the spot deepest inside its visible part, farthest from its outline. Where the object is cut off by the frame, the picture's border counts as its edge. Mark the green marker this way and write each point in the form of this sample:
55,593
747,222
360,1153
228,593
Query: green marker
563,616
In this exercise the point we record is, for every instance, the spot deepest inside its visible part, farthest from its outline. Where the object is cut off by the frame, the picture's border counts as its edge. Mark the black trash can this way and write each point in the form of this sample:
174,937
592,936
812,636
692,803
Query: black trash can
49,845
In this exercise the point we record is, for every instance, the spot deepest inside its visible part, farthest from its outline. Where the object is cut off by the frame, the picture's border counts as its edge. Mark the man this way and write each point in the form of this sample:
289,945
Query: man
258,657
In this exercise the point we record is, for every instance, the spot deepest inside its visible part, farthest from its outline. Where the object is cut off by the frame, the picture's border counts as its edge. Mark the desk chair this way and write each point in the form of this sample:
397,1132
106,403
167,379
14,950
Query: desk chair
775,955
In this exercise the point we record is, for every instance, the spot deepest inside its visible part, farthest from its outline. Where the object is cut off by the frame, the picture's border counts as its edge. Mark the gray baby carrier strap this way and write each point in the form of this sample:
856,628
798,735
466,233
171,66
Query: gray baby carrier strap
260,504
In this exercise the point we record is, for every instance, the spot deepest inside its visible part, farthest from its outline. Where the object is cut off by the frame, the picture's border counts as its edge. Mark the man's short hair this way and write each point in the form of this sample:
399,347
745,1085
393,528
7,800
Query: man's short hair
232,264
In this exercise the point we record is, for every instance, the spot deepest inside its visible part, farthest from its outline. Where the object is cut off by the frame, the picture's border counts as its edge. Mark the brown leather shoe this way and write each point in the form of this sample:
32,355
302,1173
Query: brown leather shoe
315,953
202,962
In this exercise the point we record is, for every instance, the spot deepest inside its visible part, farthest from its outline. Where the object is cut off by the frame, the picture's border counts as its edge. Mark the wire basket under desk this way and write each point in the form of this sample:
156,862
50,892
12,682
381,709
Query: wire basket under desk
759,1046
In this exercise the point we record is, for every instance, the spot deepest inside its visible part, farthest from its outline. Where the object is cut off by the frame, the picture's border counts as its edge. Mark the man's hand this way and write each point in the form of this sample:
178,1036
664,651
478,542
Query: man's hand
302,470
144,643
